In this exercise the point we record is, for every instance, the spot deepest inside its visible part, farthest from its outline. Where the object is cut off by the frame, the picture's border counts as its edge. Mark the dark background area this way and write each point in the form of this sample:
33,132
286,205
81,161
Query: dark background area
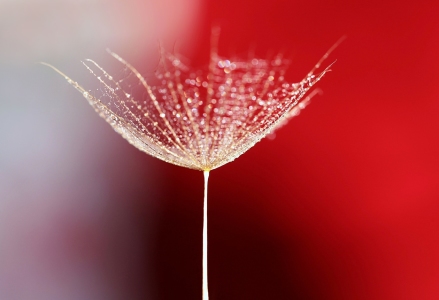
342,204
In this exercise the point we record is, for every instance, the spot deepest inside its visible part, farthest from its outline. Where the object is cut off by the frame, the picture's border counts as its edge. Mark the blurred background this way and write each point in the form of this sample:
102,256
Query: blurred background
342,204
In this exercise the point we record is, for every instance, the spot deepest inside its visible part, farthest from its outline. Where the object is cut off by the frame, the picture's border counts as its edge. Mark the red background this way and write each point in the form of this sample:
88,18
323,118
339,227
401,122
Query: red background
344,202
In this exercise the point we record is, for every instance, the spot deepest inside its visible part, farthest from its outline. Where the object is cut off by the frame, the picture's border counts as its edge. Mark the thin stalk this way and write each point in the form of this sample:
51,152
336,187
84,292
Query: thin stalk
205,291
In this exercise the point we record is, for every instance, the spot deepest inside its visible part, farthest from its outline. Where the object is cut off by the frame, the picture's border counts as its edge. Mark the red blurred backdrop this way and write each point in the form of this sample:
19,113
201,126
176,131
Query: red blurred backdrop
344,202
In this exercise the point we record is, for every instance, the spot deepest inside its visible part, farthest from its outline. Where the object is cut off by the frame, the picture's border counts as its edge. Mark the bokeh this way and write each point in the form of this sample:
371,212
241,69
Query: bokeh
342,204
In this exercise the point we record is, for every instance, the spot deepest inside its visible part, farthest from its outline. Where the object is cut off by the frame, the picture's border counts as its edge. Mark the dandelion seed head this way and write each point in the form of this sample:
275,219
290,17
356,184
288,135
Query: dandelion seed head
200,120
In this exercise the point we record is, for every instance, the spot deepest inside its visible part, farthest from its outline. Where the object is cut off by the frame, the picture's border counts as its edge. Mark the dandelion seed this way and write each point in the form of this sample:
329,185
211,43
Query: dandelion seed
201,121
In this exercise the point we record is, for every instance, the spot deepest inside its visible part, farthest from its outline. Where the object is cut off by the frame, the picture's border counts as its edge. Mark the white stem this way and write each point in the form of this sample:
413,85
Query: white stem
205,291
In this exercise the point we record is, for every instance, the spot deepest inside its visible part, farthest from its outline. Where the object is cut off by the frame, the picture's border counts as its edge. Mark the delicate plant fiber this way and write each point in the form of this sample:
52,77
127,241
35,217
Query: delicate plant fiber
201,120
